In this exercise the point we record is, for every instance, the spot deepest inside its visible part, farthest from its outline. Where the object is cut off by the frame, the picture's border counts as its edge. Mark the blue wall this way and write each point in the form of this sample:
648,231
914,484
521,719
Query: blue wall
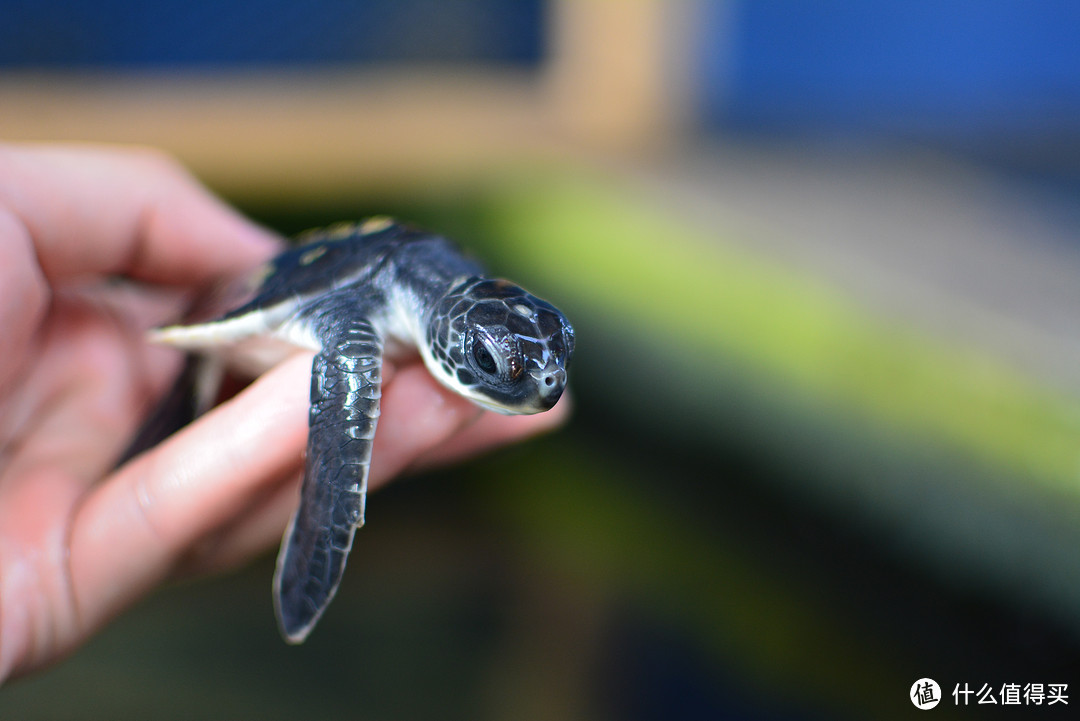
952,68
57,33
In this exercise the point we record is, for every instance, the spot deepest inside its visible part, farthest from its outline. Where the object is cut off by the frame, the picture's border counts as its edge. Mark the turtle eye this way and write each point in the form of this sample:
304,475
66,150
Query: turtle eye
483,358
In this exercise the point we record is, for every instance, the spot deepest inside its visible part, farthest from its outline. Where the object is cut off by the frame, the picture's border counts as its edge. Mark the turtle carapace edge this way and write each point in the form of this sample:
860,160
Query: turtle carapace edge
354,294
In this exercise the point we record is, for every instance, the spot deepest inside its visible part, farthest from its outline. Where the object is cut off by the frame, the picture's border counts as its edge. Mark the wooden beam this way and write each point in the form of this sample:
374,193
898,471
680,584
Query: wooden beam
295,133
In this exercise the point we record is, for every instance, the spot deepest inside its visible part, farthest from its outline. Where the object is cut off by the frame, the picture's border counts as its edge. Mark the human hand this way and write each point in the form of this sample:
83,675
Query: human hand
80,541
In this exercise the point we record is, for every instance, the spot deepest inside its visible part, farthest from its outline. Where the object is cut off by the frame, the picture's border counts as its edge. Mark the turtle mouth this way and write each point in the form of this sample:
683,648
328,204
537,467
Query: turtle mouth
547,387
537,403
518,409
548,402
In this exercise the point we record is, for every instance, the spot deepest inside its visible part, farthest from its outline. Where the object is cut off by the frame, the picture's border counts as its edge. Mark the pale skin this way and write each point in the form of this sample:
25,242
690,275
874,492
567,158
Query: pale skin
81,541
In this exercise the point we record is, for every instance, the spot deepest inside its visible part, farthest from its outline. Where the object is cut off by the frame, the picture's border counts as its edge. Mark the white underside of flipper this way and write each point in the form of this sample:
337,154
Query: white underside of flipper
249,344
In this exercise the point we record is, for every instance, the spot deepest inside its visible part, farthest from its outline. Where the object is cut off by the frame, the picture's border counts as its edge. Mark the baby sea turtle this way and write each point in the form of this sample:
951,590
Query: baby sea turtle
354,294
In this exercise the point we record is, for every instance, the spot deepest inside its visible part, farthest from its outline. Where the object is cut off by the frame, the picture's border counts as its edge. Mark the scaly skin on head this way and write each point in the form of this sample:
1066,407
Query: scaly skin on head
498,345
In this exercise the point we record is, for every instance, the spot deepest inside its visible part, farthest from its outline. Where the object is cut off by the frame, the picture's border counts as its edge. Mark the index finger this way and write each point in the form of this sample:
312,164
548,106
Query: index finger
124,211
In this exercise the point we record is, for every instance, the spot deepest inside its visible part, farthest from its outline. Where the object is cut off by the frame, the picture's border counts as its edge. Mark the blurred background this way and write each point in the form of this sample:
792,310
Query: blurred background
822,259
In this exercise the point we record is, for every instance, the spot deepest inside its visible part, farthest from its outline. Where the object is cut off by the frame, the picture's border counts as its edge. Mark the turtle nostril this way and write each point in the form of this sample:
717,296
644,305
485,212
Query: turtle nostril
550,383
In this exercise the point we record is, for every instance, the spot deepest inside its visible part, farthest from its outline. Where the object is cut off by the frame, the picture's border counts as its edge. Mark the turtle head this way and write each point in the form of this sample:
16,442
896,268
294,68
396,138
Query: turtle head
499,346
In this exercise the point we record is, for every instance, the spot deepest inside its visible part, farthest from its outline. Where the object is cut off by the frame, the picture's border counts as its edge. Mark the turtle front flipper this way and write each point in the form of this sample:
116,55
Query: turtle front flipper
344,410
